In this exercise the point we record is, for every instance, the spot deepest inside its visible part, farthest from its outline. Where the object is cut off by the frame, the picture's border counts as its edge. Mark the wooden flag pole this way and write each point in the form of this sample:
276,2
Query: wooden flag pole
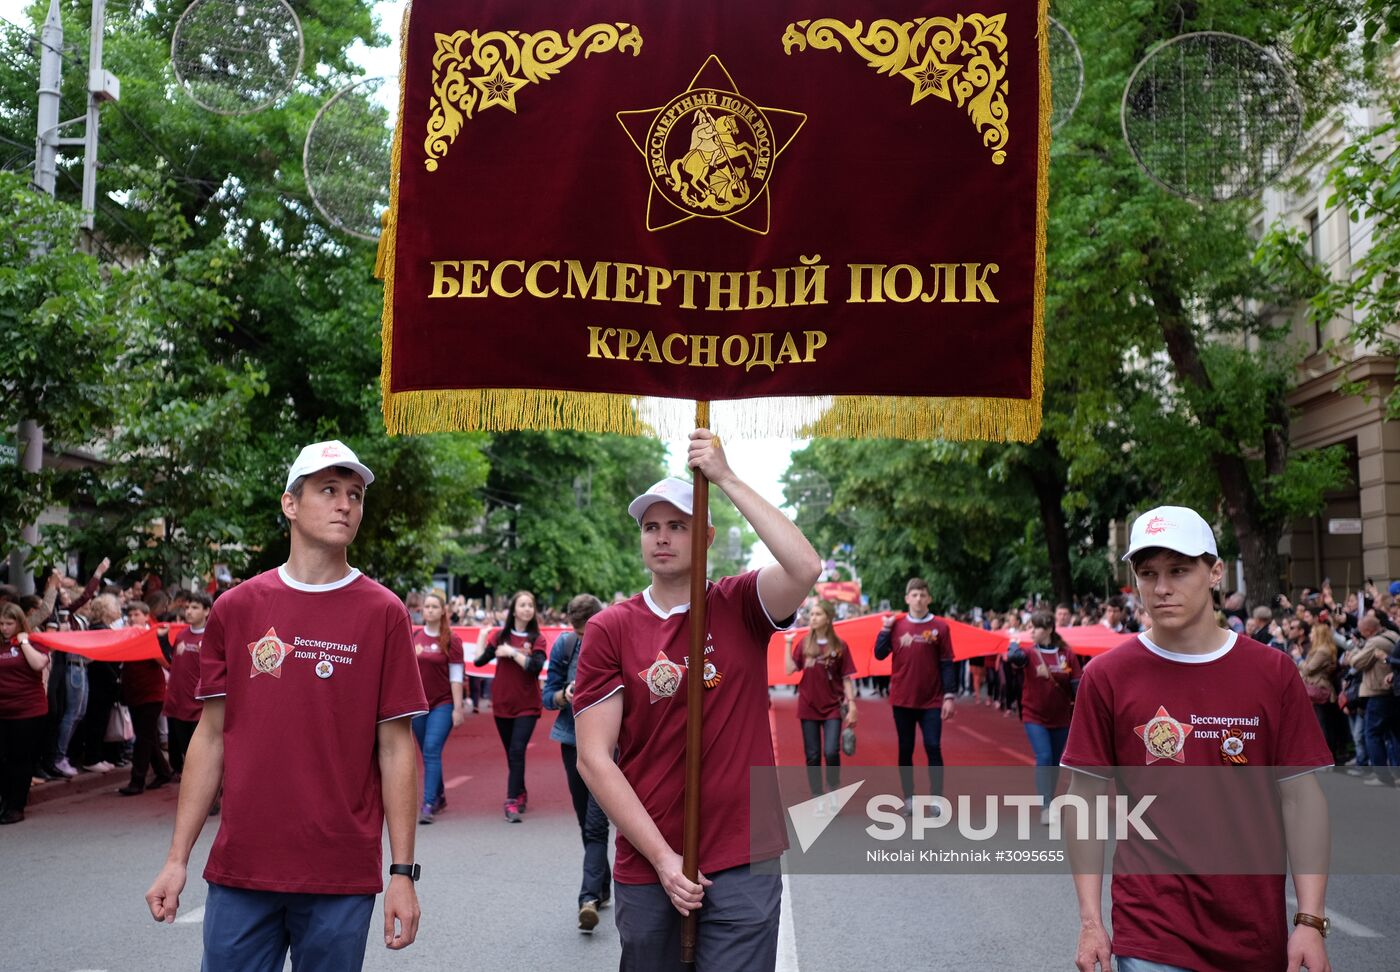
695,686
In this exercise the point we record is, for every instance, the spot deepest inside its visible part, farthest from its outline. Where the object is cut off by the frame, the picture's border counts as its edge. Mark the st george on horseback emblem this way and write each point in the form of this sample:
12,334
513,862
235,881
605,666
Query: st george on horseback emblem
710,152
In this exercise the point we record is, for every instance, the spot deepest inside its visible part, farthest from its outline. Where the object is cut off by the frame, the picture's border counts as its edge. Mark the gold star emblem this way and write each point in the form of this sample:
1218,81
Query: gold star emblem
931,77
710,152
498,88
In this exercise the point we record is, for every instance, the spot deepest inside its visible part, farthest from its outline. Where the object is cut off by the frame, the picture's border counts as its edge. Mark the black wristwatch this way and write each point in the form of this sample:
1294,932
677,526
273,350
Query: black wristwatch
410,871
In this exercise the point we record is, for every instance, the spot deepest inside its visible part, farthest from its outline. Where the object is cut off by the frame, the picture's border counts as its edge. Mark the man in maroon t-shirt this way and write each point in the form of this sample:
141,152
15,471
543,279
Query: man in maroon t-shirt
630,696
309,680
1191,693
922,677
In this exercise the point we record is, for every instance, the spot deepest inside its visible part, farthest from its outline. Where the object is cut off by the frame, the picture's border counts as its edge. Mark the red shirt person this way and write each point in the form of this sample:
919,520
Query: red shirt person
440,666
518,649
922,679
182,705
827,669
1190,693
23,706
630,696
143,691
308,678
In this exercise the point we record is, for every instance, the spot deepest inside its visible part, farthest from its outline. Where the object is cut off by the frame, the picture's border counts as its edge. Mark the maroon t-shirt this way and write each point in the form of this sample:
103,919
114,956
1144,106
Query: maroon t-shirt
1046,701
433,665
515,692
307,674
1140,706
822,688
21,687
143,682
919,648
180,701
640,650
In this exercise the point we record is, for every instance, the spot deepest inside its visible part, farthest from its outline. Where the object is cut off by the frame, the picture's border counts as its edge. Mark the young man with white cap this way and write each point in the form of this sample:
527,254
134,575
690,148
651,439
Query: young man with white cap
1190,693
309,681
630,696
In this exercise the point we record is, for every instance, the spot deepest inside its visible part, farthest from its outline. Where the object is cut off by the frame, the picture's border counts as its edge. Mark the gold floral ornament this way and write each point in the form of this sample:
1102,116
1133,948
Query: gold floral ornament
477,70
961,60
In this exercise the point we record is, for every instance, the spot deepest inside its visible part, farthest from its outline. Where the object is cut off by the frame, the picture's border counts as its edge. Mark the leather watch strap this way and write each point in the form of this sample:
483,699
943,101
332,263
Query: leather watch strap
410,871
1323,925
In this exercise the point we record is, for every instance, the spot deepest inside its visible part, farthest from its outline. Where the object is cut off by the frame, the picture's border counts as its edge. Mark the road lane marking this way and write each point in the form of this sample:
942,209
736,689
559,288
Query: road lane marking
787,936
191,917
1342,923
455,782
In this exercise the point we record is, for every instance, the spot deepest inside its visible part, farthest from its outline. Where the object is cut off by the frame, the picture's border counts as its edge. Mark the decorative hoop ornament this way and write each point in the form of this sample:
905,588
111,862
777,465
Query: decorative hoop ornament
346,158
1066,75
237,57
1211,116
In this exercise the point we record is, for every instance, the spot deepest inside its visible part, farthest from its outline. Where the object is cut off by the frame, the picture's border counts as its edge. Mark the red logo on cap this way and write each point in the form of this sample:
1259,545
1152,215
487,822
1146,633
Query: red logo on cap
1156,525
329,452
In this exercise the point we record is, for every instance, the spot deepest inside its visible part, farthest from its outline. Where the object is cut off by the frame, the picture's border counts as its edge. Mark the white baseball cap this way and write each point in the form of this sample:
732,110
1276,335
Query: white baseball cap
674,490
1177,528
323,455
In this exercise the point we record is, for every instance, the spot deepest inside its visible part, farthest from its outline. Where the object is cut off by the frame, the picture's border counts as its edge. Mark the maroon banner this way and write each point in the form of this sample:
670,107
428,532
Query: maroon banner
601,199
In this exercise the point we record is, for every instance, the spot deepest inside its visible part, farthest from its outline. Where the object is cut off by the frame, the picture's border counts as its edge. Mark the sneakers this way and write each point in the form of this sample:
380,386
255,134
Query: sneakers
588,916
1045,816
908,808
521,800
425,816
1374,781
440,803
832,807
100,767
820,809
65,768
512,810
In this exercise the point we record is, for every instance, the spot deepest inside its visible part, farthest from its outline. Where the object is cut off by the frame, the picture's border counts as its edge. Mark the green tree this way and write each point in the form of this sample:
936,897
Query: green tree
556,518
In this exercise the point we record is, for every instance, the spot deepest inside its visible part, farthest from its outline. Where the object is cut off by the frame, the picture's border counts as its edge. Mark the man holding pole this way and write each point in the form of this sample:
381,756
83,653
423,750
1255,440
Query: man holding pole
629,697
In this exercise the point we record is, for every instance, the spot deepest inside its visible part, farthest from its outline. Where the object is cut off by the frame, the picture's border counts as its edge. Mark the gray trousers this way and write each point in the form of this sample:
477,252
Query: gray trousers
738,925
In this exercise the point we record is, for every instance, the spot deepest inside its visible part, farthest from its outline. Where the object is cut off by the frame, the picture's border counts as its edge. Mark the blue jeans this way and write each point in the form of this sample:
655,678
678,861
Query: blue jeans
432,730
1129,964
251,931
1383,733
593,826
1048,745
75,684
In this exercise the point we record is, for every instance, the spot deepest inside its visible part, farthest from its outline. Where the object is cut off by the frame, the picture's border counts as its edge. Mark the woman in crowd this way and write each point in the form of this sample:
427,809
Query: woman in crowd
23,706
519,651
1319,668
143,691
440,664
827,680
1047,699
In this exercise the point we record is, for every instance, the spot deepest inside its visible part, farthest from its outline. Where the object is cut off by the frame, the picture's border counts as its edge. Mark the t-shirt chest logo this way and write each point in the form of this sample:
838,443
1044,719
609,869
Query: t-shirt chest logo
662,677
926,637
1164,737
268,653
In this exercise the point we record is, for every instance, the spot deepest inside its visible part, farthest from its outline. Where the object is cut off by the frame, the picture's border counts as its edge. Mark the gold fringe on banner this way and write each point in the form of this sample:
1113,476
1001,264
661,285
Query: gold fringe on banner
847,416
